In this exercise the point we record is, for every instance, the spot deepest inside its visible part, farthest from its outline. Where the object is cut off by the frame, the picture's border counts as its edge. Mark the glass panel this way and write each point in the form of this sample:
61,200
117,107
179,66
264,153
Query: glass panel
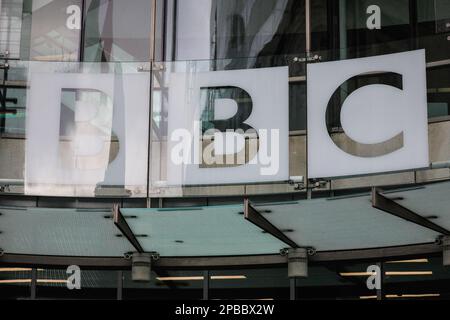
61,284
368,28
360,28
61,232
433,28
430,201
93,140
335,281
15,283
199,231
345,223
224,29
117,30
165,285
433,34
439,91
419,278
51,30
44,30
253,284
10,26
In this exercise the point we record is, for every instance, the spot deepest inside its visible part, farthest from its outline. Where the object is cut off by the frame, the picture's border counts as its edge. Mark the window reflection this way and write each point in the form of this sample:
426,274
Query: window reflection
117,30
51,30
239,29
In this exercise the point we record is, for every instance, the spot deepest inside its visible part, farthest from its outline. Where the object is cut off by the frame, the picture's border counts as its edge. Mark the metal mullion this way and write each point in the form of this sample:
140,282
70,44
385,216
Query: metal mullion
33,284
293,289
150,122
381,291
82,30
206,278
120,285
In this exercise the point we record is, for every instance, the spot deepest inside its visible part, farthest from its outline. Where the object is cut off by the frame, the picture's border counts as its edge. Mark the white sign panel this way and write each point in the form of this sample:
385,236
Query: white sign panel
228,127
381,105
85,131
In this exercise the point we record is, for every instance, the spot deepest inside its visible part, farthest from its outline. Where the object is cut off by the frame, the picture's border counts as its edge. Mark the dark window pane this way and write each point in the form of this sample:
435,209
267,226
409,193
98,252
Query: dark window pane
239,29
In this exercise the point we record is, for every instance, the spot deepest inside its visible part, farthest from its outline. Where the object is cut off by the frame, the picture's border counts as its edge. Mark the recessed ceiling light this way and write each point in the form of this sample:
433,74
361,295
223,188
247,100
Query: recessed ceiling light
420,295
388,273
14,269
397,296
410,261
19,281
200,278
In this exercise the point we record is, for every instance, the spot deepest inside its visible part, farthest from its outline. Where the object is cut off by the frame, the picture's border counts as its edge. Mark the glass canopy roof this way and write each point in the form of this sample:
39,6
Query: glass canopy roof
60,232
431,201
202,231
343,224
327,224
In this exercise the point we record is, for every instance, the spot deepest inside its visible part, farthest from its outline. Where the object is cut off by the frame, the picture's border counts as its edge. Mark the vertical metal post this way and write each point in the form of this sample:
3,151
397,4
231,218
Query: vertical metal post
307,54
153,31
308,27
4,94
343,29
413,23
293,289
380,291
206,285
119,285
82,30
33,284
150,123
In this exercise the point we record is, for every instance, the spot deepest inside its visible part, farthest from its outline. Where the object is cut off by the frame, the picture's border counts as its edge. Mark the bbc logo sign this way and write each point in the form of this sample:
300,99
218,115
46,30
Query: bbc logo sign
381,105
365,116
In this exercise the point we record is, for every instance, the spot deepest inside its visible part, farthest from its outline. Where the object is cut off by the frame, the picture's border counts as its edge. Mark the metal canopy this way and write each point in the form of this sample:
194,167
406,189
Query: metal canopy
393,223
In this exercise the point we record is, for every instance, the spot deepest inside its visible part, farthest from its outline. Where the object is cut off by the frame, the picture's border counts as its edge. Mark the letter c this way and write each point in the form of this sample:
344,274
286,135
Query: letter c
336,102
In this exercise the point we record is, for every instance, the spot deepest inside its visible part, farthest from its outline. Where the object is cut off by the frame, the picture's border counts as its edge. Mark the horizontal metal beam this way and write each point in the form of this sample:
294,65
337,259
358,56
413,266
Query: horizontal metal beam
252,215
120,263
387,253
39,261
122,225
220,262
385,204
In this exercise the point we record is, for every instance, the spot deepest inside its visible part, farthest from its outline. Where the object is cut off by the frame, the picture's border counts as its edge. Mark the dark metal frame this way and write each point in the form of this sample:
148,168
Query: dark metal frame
381,290
272,260
252,215
120,278
122,225
206,278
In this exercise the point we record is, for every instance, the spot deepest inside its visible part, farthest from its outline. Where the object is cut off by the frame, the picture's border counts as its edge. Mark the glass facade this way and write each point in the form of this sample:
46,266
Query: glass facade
177,36
89,90
211,36
422,278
